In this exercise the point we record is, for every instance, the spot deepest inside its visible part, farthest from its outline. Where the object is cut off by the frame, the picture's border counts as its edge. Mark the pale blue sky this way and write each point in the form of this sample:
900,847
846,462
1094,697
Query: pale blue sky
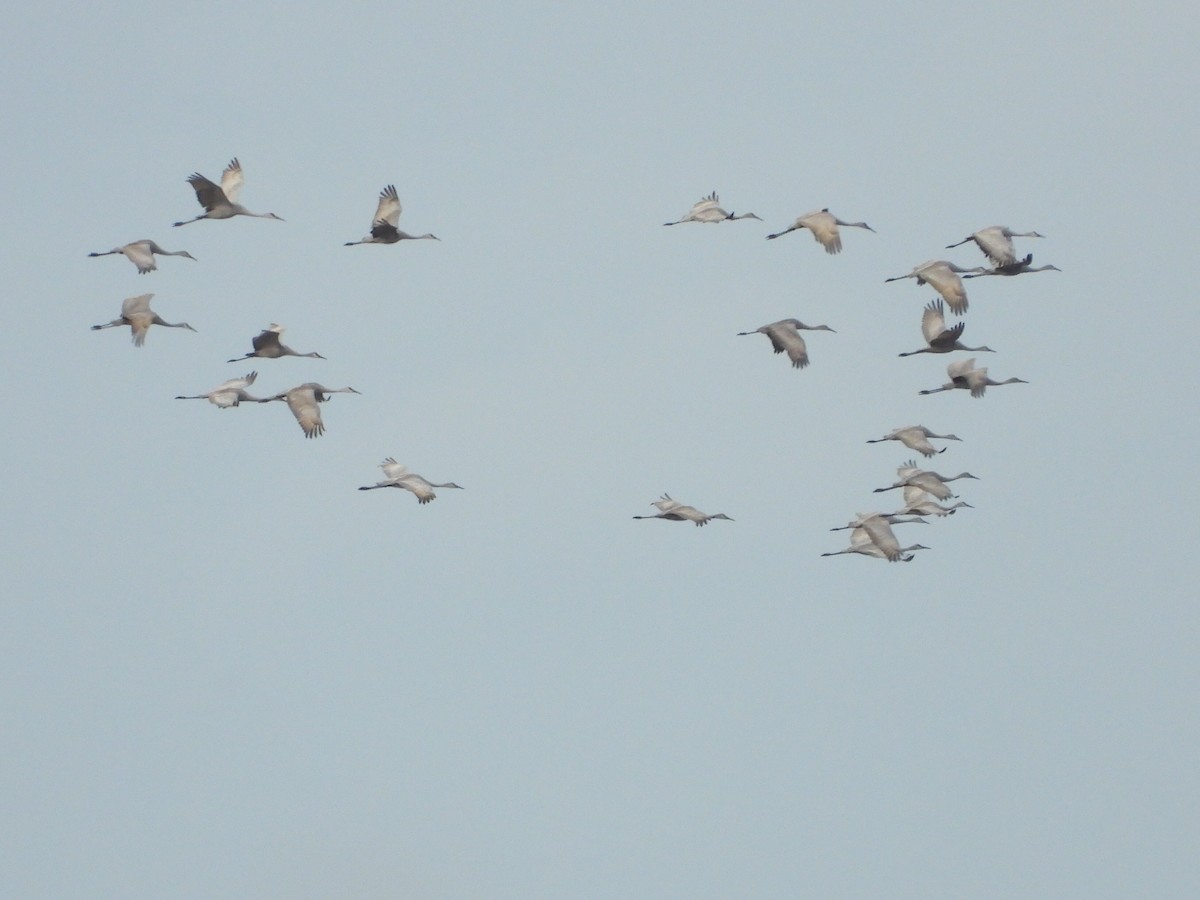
227,673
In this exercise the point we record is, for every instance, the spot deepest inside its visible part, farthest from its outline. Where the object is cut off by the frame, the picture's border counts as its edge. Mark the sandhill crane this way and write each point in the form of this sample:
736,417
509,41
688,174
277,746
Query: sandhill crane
674,511
996,243
137,314
861,543
964,375
220,201
708,209
824,227
918,503
266,345
398,476
1017,267
877,528
383,226
897,518
942,276
229,393
916,437
141,254
940,338
785,336
303,401
931,482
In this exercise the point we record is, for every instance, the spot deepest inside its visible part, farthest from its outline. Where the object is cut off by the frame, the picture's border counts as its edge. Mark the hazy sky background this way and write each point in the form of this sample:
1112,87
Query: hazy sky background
227,673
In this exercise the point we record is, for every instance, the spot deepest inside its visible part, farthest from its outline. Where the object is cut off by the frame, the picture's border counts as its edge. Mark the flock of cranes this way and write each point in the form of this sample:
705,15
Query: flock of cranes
922,489
871,533
220,201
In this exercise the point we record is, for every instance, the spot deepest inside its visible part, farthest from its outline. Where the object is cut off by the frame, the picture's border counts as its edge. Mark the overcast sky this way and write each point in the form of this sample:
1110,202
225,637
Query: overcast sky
225,672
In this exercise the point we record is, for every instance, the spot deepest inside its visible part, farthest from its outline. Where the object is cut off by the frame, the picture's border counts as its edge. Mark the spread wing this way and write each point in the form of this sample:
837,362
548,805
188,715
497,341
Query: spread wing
267,338
392,470
389,208
210,195
784,338
712,201
933,321
996,245
231,180
132,306
303,404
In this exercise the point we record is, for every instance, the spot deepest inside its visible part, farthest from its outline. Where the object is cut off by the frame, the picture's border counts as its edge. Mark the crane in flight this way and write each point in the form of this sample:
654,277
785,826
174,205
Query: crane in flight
674,511
996,243
141,254
387,217
228,393
267,346
1018,267
916,437
942,276
965,376
939,338
137,314
824,227
398,476
708,209
220,200
304,401
785,337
